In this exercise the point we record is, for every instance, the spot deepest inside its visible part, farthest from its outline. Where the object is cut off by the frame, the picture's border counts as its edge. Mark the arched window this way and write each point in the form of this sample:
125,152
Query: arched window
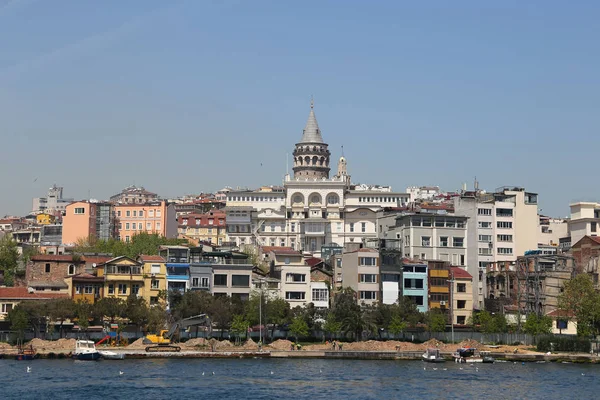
333,199
71,269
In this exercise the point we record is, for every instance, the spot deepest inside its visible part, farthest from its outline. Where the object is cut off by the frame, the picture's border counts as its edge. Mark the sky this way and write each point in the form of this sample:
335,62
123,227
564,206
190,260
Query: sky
191,96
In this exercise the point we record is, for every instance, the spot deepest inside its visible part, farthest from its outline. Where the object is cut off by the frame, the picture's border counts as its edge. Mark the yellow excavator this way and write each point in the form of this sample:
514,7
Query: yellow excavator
163,342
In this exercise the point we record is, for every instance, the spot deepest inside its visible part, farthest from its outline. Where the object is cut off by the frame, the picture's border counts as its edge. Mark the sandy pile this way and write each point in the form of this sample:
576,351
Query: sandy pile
281,344
5,346
53,346
196,342
250,345
137,345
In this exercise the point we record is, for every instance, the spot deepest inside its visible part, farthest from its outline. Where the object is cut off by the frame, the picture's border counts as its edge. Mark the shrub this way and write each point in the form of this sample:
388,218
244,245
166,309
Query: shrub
558,343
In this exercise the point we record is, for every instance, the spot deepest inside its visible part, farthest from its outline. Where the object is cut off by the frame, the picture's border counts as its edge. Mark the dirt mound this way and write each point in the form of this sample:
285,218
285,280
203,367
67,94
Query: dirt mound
431,344
60,345
223,344
469,343
250,345
196,342
5,346
281,344
137,345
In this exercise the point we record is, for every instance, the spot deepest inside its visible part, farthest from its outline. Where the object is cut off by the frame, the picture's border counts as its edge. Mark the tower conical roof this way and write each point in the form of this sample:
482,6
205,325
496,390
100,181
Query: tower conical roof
311,133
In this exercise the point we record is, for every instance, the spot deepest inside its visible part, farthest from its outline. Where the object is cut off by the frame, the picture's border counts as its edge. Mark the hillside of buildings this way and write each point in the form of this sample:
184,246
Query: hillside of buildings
466,259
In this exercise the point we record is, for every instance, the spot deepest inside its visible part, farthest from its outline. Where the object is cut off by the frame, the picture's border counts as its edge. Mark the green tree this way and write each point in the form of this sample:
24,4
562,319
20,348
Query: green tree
60,310
490,323
9,259
436,320
332,326
83,312
397,325
136,311
239,327
536,325
157,318
298,328
580,300
275,311
19,322
219,310
142,243
191,303
109,307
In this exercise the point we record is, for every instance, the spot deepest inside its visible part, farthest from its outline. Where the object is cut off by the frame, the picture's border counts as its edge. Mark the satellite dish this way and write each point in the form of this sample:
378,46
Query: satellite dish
30,290
93,265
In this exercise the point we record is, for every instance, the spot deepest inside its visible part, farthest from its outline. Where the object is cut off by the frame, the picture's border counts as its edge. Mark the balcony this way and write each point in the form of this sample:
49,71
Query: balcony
314,229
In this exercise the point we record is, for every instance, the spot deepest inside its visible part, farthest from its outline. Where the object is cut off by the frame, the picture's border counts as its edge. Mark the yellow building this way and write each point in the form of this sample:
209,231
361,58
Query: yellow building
155,278
462,295
208,228
439,289
45,219
122,277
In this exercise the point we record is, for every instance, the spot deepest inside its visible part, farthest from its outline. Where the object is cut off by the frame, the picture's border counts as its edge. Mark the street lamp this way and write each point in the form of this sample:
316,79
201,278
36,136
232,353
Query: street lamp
260,312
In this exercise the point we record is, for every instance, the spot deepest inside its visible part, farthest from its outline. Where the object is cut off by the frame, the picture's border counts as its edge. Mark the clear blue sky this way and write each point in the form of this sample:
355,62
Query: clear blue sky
190,96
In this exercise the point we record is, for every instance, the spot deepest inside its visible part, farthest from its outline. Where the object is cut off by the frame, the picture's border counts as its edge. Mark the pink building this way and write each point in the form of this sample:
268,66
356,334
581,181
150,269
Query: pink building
154,217
84,219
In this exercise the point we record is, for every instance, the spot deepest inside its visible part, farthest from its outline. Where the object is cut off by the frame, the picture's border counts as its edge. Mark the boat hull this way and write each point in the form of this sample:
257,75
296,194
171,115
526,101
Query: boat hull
24,357
109,355
87,356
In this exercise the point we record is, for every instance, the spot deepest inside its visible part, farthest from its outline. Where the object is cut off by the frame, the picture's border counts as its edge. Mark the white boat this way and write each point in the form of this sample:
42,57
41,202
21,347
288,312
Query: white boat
111,355
85,350
471,355
433,356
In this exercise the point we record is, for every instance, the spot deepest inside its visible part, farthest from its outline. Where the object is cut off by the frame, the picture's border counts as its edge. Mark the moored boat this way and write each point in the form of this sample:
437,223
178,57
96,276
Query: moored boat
85,350
111,355
25,353
471,355
433,356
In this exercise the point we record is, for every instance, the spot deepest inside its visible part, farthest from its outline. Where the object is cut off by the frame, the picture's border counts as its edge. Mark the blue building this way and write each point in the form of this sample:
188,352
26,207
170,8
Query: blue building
414,283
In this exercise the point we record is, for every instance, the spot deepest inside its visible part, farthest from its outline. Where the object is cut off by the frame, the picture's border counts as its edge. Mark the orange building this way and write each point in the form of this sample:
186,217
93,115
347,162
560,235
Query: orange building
84,219
154,217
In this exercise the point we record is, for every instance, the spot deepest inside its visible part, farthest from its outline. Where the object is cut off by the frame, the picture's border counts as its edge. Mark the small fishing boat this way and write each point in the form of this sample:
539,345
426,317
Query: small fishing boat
471,355
111,355
25,353
433,356
86,350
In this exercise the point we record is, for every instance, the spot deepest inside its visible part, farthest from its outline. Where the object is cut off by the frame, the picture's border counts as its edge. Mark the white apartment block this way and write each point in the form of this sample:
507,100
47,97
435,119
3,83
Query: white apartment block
422,192
501,226
428,236
552,230
312,209
585,220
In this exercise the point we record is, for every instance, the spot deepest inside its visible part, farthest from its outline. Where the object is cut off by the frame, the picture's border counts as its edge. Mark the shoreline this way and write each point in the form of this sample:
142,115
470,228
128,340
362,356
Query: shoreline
326,354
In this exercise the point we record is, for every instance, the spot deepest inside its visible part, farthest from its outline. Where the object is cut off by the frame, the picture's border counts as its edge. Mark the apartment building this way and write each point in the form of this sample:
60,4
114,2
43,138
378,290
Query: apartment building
123,277
551,230
428,236
85,219
462,295
360,271
415,283
390,275
585,220
500,226
54,203
439,285
154,217
134,195
154,269
209,227
289,266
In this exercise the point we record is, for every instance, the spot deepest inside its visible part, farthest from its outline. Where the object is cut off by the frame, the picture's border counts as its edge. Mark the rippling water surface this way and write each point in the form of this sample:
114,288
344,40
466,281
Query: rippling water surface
293,379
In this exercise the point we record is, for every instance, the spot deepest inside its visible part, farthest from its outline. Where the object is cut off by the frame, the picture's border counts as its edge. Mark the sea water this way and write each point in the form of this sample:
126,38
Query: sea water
295,379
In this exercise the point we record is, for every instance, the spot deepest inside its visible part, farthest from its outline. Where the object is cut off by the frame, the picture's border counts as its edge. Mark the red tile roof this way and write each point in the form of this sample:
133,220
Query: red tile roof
279,250
595,239
69,258
22,293
144,257
460,273
312,261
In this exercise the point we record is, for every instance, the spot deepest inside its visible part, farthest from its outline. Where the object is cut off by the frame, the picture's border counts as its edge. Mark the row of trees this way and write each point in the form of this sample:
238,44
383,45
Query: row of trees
142,243
35,315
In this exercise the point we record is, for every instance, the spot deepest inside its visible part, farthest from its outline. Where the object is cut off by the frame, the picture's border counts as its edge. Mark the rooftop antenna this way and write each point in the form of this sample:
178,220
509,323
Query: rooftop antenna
312,102
287,164
342,150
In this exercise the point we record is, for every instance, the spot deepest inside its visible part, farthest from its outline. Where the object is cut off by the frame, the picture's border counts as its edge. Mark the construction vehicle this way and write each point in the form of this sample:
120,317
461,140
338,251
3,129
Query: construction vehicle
164,341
